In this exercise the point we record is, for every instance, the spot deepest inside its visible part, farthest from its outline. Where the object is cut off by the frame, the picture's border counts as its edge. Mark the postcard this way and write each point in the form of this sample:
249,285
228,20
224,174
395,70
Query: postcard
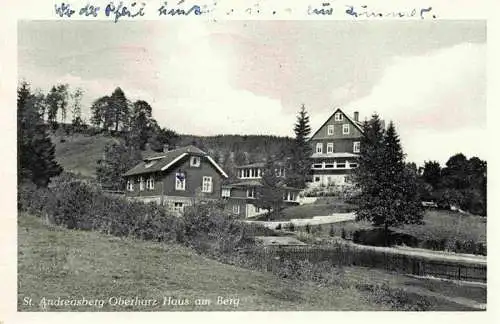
206,159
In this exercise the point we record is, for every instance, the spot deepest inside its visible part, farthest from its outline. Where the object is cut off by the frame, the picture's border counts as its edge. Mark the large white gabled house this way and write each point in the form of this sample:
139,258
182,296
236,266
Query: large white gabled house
336,146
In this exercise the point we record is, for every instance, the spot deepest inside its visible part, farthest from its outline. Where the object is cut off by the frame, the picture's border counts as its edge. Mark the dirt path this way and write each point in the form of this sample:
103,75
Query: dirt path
435,255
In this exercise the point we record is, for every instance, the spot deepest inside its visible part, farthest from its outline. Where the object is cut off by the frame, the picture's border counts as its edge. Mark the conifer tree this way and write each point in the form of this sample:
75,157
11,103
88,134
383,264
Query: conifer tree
36,152
300,151
269,195
389,191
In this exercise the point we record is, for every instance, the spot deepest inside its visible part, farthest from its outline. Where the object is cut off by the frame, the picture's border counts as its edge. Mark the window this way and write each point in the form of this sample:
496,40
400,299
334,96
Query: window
319,147
341,165
226,192
207,184
356,147
318,166
150,183
329,166
251,193
195,161
236,209
130,185
180,181
317,179
288,196
339,117
345,129
329,148
353,165
280,172
178,206
141,184
330,129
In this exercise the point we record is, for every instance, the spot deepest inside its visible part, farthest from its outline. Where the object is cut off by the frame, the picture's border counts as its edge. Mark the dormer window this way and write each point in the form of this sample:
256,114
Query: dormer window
339,117
345,129
149,164
195,161
330,130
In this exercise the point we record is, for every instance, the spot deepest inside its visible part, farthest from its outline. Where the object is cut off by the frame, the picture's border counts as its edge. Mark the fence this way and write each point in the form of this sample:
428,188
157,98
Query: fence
351,256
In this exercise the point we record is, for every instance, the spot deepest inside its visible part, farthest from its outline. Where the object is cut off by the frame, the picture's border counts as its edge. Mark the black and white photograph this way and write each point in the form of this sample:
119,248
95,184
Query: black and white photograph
251,165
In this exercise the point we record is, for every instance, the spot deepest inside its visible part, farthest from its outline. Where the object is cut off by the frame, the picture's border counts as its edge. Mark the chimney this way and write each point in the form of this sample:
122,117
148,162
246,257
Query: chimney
166,148
356,116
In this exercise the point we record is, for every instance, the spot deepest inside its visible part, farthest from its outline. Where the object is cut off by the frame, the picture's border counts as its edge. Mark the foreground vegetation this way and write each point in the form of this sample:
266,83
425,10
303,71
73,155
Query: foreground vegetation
56,262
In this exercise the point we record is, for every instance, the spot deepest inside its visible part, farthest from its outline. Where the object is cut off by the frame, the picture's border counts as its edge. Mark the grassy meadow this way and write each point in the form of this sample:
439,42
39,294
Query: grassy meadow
55,262
79,153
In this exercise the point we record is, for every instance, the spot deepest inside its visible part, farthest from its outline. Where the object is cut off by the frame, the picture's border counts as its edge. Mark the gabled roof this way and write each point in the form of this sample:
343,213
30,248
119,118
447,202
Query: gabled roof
357,124
157,162
261,164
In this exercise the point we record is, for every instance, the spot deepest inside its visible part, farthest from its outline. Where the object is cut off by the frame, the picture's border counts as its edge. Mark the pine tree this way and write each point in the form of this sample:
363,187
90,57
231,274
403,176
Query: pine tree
389,191
300,151
36,152
269,196
119,106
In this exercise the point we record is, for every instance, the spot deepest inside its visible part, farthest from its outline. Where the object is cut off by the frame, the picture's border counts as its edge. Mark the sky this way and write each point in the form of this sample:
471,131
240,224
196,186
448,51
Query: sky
251,77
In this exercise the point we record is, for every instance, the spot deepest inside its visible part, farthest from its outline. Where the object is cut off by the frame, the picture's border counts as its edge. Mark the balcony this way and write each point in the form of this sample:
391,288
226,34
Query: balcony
334,166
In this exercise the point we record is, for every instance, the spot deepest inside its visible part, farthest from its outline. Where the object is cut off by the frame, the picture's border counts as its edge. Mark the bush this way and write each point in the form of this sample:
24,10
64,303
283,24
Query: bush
76,205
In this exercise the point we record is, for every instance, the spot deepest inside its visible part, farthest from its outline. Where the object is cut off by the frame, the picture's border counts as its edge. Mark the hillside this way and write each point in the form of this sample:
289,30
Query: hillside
79,153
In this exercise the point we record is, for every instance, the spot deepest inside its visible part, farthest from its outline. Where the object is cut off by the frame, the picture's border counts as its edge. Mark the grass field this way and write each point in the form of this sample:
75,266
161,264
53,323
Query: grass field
449,225
438,224
60,263
79,153
54,262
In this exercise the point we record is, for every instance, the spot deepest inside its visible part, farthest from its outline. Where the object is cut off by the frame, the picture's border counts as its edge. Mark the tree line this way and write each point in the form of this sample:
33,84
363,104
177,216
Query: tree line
461,183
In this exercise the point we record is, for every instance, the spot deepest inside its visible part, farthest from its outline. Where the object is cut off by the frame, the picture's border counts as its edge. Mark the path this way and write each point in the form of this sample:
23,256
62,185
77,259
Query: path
316,220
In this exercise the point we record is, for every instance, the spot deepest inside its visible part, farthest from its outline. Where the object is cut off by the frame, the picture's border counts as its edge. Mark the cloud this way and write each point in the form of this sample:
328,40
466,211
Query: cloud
438,100
200,99
442,90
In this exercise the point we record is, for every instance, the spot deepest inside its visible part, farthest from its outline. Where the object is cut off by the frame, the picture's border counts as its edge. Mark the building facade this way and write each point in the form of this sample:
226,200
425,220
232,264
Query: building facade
336,146
175,178
240,196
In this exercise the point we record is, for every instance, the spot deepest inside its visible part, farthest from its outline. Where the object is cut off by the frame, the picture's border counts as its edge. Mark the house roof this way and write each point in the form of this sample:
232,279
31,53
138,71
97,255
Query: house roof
252,165
357,124
248,183
157,162
255,183
260,164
